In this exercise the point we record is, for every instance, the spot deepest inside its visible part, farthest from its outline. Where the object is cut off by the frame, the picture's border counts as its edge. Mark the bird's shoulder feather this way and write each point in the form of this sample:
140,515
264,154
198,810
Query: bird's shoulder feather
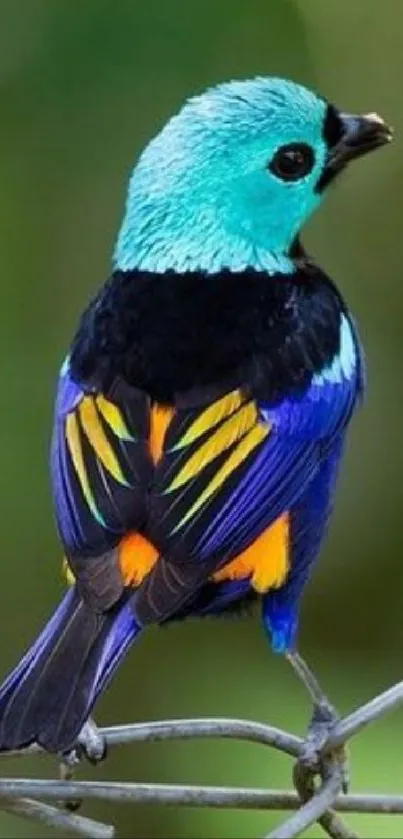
171,334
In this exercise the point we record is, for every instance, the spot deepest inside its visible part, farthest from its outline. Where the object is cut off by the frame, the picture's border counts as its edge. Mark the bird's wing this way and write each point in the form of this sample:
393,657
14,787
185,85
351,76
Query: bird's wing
307,525
203,487
100,463
231,471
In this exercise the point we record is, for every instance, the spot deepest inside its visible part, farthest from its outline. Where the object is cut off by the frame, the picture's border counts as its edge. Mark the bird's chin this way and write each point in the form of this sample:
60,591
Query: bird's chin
359,135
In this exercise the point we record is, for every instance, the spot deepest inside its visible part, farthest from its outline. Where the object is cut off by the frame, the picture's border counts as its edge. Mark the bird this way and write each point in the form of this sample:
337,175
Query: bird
202,408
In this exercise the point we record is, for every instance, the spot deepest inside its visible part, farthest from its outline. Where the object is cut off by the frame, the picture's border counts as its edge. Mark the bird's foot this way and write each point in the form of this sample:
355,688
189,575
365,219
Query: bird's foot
91,742
324,718
92,746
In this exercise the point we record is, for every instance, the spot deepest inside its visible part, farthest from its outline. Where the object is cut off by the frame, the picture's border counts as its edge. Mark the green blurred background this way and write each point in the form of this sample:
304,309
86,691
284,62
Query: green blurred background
83,85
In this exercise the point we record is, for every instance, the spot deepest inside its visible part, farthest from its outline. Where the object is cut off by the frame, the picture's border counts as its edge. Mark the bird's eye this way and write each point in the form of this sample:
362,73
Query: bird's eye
292,162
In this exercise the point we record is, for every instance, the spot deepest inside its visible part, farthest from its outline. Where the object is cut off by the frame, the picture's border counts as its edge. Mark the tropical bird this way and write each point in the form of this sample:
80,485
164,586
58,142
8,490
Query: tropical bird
202,409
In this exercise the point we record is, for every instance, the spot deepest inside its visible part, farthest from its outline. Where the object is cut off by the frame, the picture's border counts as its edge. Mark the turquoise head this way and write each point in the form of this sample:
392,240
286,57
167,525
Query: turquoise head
231,179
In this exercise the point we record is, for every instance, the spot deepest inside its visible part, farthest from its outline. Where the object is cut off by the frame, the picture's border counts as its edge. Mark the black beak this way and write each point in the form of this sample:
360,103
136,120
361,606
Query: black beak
361,134
358,135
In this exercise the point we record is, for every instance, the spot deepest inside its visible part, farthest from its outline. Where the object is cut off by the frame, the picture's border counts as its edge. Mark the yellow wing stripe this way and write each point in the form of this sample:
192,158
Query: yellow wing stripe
252,439
216,412
98,440
76,452
113,416
227,434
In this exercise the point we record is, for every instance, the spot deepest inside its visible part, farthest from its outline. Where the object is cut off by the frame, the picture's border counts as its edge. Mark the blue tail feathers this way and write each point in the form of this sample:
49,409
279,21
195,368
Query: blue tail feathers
49,695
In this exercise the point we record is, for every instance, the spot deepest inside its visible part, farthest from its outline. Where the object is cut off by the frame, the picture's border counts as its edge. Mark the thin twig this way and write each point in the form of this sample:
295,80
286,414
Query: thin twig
389,700
370,803
192,795
242,729
185,795
312,810
335,827
223,728
331,823
189,729
37,811
14,792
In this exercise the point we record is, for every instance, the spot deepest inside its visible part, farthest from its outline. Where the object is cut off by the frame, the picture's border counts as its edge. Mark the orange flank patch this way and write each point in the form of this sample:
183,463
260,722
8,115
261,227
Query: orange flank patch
160,418
137,556
266,561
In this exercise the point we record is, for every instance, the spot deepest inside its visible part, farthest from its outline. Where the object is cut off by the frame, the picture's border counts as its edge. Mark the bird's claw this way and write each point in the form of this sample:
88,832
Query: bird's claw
91,743
323,720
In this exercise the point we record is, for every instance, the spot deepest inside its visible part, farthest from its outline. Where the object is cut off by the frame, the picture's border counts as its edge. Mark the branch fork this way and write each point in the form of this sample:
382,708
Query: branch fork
312,802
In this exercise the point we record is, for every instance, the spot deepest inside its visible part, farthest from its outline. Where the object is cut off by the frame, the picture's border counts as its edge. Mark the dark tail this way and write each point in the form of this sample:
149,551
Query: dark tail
50,694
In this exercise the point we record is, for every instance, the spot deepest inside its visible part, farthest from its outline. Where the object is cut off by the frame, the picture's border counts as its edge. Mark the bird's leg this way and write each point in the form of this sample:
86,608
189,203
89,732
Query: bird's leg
323,719
310,682
92,745
280,620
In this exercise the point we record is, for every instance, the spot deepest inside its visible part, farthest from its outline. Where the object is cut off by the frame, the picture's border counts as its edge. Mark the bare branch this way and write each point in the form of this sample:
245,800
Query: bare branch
335,827
191,795
37,811
185,795
215,727
369,803
16,794
190,729
304,783
370,712
312,810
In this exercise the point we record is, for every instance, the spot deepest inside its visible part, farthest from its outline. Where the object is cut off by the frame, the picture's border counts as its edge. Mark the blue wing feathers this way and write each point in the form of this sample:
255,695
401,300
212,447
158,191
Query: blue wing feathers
99,492
309,519
303,430
267,490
